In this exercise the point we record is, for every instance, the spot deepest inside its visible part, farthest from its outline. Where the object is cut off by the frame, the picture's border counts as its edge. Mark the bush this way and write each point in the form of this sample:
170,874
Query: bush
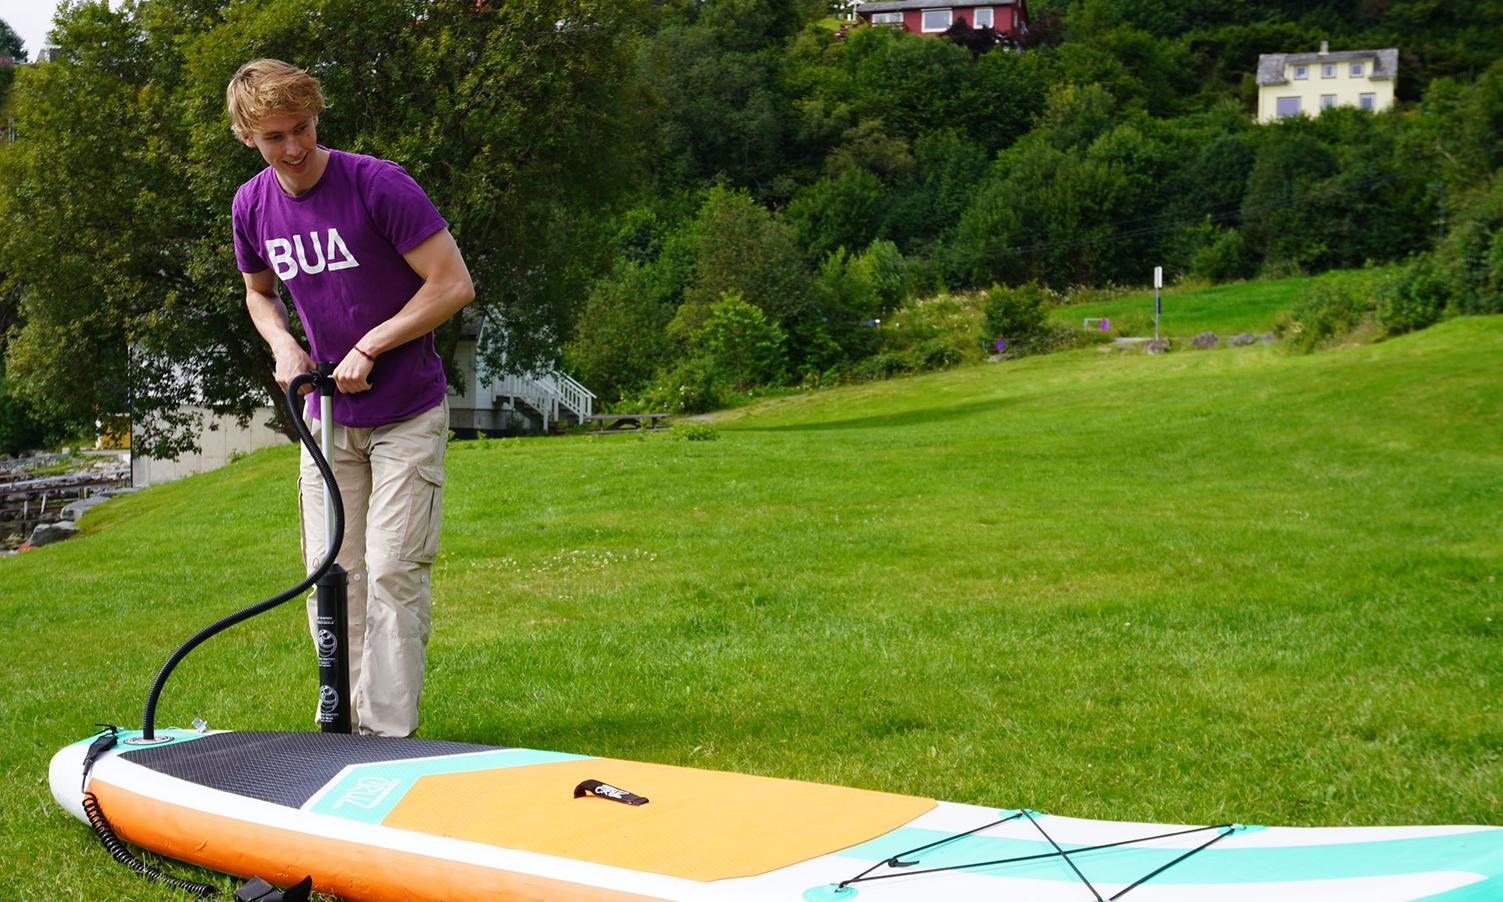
1223,259
21,429
882,267
1328,310
742,346
938,355
1015,314
1413,298
689,387
695,432
1472,255
881,366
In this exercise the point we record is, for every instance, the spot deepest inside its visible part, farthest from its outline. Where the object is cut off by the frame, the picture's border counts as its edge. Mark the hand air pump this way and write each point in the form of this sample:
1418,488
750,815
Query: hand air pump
332,632
332,619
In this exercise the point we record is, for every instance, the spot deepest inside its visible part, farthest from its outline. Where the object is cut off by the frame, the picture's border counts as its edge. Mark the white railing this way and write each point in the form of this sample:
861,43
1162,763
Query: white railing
548,393
551,394
572,396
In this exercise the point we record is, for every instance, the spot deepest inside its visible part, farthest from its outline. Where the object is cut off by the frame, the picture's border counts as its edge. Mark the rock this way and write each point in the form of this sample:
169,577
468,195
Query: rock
73,511
1206,340
1158,346
1268,338
1242,339
47,533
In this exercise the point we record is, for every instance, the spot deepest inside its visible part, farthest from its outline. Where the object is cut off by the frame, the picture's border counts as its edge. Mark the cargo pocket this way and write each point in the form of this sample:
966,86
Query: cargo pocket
425,505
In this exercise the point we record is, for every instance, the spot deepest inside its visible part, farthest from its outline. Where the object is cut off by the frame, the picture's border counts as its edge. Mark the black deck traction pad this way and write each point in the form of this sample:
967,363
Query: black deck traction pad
283,768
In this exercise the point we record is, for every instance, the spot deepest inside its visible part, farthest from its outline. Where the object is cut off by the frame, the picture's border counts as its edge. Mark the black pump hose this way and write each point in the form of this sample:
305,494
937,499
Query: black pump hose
148,717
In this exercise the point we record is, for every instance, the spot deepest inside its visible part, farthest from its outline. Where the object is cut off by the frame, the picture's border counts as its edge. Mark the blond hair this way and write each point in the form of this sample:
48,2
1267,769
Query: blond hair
268,87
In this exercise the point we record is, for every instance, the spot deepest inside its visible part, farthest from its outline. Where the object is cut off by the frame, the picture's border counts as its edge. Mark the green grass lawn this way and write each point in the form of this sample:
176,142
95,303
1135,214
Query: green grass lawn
1223,309
1197,587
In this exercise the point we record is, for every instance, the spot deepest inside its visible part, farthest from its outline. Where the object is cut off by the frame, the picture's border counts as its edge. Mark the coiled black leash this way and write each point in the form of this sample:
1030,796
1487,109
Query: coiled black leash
115,844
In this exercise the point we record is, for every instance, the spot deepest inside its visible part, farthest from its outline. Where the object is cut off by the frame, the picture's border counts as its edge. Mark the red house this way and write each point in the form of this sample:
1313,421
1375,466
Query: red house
1008,18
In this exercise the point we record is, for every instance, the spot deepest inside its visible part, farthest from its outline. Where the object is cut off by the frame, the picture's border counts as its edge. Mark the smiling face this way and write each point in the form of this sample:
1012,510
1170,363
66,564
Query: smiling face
289,144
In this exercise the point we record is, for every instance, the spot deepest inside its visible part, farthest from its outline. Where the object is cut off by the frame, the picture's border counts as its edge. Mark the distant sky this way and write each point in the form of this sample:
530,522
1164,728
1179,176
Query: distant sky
31,19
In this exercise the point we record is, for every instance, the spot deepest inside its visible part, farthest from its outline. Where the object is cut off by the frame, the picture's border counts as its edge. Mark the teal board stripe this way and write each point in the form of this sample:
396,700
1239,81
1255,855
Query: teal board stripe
178,737
1486,891
368,792
1478,852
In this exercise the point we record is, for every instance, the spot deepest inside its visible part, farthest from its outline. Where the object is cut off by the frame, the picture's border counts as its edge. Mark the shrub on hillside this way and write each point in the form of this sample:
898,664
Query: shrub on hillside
689,387
1016,314
1222,259
881,366
1412,298
1472,255
1330,309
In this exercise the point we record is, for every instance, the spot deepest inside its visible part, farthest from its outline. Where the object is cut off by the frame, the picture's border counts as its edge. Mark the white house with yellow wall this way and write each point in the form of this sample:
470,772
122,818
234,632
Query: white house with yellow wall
1293,84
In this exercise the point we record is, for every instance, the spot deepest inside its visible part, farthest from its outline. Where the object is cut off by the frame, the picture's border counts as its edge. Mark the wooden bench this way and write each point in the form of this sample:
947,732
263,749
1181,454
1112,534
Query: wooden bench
625,422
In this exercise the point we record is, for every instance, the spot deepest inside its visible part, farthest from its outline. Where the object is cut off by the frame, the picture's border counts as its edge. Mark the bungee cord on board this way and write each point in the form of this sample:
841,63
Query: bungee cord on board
900,860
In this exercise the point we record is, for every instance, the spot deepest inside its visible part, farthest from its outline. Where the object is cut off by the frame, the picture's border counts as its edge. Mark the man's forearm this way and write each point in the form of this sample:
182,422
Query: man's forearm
430,308
269,315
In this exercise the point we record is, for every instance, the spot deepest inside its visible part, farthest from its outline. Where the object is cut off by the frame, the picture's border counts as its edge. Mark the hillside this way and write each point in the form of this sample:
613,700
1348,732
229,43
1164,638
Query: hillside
1236,585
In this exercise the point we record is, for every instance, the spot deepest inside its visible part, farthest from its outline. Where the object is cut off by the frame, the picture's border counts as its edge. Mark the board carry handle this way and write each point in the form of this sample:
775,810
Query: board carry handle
607,791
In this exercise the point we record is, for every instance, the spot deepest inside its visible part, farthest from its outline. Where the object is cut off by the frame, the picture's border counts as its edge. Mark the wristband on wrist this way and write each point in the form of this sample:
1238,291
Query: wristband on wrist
362,353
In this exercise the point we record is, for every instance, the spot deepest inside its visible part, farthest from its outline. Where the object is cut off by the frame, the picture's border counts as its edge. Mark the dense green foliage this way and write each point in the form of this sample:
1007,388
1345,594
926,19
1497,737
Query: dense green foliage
118,187
612,170
11,44
1241,586
1121,138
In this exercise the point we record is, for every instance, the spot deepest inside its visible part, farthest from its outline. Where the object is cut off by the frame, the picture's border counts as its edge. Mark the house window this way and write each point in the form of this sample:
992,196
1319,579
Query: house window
1327,101
1366,101
1301,71
1288,106
936,20
1328,70
983,18
887,18
1356,70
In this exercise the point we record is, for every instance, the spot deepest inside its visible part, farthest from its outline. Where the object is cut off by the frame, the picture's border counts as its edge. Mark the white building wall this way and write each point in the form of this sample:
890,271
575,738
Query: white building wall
218,445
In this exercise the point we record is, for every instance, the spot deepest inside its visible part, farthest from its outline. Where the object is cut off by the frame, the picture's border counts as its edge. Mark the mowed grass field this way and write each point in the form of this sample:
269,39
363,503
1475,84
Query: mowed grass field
1233,585
1223,309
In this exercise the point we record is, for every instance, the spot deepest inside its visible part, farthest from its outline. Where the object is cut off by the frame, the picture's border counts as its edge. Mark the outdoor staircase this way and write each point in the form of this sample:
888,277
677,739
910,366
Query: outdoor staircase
488,402
553,398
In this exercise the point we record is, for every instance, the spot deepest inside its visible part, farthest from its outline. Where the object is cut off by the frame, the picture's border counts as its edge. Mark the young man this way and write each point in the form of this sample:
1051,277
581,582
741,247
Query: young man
372,270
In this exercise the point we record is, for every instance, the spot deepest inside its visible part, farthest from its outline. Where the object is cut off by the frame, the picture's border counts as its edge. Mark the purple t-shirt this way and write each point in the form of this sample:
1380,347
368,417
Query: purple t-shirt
338,248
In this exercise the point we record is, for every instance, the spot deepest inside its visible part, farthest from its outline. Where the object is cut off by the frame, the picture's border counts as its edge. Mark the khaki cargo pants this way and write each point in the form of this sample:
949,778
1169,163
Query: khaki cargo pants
391,482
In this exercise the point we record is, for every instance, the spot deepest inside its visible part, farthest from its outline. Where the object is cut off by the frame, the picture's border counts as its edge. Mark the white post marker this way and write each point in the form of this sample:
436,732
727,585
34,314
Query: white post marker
1158,302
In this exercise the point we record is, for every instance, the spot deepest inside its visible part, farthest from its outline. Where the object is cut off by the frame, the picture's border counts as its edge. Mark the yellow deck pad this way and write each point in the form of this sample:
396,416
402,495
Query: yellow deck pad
700,825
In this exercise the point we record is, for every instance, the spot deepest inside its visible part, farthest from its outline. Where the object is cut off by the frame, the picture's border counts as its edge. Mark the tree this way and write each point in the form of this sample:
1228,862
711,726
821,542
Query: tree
721,115
743,346
1281,210
622,338
844,211
742,248
11,43
517,117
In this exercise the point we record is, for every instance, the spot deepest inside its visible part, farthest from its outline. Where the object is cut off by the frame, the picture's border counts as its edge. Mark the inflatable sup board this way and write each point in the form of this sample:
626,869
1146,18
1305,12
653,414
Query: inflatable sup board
374,818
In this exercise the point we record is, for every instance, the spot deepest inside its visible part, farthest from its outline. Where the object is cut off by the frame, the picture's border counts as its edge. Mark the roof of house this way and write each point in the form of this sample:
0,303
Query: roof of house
1271,66
928,4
